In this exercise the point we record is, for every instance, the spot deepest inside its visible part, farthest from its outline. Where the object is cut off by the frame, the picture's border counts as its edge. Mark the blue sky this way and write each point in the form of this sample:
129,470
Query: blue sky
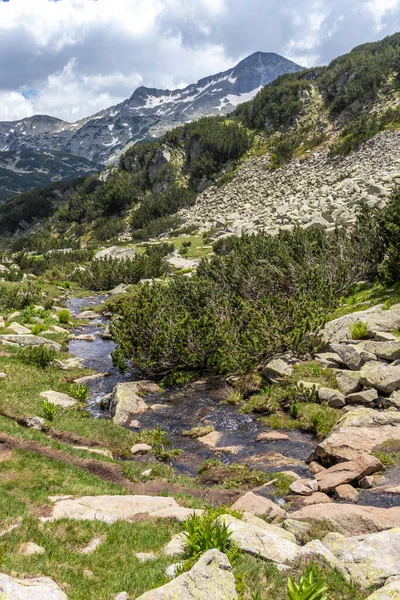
72,58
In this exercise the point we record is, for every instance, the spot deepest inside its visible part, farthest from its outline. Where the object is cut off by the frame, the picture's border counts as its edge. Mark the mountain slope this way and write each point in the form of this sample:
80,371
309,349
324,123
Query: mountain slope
148,113
21,170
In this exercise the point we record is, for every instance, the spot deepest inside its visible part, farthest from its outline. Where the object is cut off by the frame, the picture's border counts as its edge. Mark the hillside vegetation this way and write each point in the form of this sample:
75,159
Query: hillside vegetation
337,106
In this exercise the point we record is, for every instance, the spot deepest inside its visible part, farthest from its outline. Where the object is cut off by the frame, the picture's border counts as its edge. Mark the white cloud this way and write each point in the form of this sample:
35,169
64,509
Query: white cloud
85,55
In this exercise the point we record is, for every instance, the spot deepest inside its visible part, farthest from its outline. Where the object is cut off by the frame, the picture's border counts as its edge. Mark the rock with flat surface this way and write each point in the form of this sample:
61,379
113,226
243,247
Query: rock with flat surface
348,381
88,314
370,561
141,449
30,549
259,506
279,368
364,397
126,403
333,398
315,498
349,519
276,529
259,542
359,430
350,355
304,487
348,471
346,493
28,340
391,591
384,378
145,556
389,350
272,436
19,329
179,513
210,577
58,398
109,508
39,588
375,319
211,439
176,546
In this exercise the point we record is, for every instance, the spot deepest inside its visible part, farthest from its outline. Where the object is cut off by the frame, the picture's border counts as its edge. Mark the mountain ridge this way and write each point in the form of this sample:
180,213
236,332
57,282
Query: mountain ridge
118,125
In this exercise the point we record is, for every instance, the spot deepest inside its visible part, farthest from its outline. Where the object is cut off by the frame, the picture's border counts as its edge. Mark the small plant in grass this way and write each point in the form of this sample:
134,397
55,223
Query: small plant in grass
79,391
203,533
40,356
304,393
49,411
234,397
37,328
197,432
309,588
161,445
359,331
64,316
388,459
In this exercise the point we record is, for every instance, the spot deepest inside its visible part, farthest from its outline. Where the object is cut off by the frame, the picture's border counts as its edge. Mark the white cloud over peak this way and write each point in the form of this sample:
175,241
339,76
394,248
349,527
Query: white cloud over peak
81,56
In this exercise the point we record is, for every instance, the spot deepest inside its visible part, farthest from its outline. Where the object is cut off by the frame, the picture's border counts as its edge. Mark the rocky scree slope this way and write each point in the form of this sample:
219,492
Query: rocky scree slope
315,192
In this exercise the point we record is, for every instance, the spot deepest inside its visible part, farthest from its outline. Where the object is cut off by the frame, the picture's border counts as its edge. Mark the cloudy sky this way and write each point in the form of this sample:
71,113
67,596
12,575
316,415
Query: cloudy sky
72,58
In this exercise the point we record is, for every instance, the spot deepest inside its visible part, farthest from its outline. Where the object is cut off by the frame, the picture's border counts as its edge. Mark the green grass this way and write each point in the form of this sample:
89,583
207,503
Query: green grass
20,396
195,250
255,575
366,296
313,418
314,373
110,569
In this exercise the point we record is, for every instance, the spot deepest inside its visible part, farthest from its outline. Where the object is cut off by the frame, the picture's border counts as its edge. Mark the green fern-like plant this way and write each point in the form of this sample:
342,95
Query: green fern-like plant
203,533
309,588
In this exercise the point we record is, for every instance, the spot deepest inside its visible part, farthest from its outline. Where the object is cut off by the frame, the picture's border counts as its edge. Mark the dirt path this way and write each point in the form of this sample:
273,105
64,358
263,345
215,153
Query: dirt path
113,473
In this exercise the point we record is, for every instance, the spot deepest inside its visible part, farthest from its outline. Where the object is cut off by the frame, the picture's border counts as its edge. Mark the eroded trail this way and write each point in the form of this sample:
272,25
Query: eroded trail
113,472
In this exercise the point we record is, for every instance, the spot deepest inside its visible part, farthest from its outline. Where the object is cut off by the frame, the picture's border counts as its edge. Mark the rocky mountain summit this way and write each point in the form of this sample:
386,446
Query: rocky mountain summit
147,114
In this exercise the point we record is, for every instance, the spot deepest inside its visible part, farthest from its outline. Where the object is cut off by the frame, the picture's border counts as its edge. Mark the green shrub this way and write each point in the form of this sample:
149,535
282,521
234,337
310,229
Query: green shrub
64,316
79,391
40,356
308,588
203,533
49,411
359,331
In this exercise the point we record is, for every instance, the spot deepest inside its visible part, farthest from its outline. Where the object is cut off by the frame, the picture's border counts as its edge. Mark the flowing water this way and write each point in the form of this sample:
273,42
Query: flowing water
180,409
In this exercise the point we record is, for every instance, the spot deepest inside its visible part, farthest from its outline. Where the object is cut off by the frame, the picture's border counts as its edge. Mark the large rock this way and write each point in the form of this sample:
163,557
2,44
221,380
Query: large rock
279,368
210,577
348,381
19,329
126,403
391,591
29,340
58,398
358,431
117,253
260,542
259,506
346,472
376,319
333,398
110,508
385,378
370,561
352,356
40,588
389,350
364,397
349,519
